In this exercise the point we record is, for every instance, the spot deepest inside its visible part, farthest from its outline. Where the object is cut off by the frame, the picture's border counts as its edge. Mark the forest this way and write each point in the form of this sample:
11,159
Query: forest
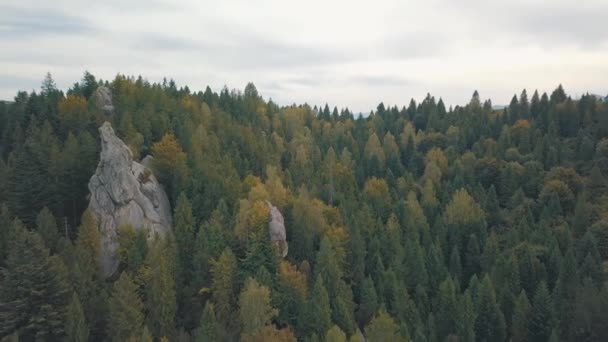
419,223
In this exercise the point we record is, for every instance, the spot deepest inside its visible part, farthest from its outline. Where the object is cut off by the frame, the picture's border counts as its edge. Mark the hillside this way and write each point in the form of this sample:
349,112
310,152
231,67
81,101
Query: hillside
420,223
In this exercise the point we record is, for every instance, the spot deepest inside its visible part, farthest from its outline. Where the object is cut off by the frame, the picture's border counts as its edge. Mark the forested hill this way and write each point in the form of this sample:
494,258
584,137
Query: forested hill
418,223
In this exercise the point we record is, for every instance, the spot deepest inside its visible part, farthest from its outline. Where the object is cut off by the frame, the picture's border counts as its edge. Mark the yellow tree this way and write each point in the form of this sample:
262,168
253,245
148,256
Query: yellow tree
463,216
382,328
169,159
255,309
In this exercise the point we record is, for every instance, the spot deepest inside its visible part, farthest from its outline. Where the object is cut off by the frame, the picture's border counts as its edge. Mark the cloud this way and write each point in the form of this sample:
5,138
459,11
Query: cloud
346,53
20,23
576,24
382,80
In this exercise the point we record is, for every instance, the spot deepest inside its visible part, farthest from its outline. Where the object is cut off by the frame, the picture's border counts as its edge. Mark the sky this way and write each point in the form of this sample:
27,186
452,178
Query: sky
347,53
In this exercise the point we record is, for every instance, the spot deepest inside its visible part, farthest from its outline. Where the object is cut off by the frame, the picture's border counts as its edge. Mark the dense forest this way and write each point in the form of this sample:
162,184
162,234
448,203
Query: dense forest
420,223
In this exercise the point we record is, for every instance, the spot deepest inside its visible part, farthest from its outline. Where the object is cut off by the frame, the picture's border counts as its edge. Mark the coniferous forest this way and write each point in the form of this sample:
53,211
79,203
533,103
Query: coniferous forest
414,223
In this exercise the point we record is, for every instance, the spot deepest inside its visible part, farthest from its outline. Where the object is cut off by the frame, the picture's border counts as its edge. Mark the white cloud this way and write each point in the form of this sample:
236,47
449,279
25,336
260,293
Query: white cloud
347,53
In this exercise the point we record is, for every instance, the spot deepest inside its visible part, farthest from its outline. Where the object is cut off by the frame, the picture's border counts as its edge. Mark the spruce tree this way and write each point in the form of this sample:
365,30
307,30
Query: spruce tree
161,298
75,326
33,289
88,276
46,226
521,318
318,311
208,329
368,302
490,323
542,317
126,317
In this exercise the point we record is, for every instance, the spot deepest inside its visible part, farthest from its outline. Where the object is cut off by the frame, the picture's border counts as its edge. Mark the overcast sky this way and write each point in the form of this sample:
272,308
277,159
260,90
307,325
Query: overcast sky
347,53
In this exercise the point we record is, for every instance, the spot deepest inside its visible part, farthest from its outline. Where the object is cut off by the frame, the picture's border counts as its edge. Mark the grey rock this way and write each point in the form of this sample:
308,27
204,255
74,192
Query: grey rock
103,97
276,229
124,191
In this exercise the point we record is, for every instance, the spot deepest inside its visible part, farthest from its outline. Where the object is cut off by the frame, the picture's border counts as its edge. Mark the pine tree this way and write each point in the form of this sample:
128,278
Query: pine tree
184,238
88,275
161,298
255,309
33,289
126,318
208,329
472,257
565,291
75,326
184,232
335,334
465,321
542,317
318,312
447,307
46,226
368,302
455,264
7,232
521,318
223,288
490,322
382,328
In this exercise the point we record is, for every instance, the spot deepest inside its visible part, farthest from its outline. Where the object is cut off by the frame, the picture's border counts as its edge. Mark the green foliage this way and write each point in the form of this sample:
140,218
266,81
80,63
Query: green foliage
34,293
208,329
425,221
490,323
255,309
318,311
542,318
75,326
335,334
223,287
161,297
126,316
382,328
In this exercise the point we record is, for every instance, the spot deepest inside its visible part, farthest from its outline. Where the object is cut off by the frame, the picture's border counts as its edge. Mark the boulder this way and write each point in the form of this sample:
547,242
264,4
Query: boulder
103,97
124,191
276,229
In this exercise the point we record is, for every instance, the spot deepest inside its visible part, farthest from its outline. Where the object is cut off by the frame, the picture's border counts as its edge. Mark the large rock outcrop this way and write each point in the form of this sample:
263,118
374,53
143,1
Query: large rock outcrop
123,192
103,98
276,229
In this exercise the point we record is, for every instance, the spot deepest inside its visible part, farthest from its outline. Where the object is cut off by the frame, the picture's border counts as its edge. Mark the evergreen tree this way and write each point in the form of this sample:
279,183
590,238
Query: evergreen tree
34,289
161,298
88,276
318,312
335,334
75,326
223,288
542,317
382,328
521,318
447,309
183,229
207,330
126,317
46,226
490,322
255,309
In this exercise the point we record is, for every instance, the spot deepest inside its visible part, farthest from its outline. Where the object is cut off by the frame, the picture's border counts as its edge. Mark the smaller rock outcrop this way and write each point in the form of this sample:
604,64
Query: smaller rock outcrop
276,229
123,192
103,97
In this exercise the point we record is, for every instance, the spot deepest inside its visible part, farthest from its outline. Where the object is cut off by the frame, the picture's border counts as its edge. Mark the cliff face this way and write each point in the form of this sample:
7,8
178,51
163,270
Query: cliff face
123,192
276,229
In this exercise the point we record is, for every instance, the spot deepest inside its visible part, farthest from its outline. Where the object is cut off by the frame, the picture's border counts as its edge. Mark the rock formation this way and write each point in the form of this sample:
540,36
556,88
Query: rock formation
123,192
103,97
276,229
